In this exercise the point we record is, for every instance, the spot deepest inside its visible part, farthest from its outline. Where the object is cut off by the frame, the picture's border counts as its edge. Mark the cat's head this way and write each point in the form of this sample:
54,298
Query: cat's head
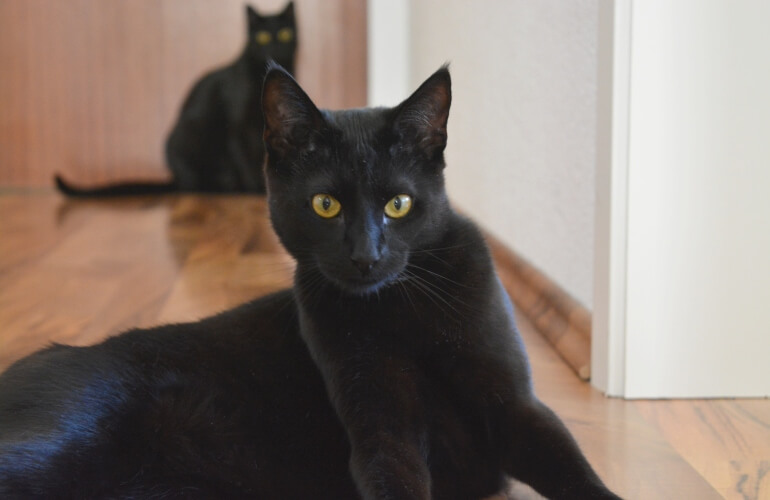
356,193
272,37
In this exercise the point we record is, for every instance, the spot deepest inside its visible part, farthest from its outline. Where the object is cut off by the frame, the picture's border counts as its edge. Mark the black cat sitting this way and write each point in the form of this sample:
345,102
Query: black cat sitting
393,368
216,145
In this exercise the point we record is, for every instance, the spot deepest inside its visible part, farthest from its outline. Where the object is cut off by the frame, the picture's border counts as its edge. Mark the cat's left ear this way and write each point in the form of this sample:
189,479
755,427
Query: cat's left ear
422,118
254,18
292,121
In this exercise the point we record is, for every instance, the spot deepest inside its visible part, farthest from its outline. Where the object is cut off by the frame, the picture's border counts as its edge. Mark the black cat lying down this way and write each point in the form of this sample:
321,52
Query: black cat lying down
392,369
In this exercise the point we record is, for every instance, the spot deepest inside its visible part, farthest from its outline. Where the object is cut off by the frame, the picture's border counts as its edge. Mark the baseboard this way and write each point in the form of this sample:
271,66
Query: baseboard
557,316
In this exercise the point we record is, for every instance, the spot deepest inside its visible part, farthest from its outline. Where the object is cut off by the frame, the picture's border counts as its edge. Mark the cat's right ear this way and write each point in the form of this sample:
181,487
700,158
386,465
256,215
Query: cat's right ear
292,121
422,119
288,11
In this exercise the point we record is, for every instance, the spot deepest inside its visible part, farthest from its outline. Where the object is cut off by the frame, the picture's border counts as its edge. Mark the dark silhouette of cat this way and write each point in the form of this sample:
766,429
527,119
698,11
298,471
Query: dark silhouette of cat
392,369
216,145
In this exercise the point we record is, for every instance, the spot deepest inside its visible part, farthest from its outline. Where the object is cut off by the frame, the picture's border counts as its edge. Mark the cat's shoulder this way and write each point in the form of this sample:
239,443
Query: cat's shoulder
462,229
211,82
467,244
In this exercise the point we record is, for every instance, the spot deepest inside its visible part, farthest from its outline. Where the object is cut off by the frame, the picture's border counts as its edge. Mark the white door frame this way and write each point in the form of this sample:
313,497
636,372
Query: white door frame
610,244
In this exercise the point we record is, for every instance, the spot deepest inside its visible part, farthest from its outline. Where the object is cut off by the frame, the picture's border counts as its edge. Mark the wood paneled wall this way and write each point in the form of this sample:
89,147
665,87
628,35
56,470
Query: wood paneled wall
90,88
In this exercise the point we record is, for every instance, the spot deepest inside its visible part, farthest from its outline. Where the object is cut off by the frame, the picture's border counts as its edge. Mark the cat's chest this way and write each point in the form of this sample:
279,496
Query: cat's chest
404,321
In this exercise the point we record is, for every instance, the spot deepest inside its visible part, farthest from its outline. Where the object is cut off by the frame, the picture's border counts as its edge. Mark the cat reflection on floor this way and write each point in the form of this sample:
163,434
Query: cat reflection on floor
216,145
392,369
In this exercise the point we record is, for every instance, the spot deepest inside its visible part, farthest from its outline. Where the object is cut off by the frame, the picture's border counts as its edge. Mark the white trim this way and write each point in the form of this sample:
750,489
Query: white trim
608,354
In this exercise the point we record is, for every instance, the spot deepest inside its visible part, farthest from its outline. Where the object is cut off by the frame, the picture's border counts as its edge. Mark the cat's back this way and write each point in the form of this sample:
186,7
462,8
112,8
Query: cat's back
216,144
222,91
227,405
50,402
205,95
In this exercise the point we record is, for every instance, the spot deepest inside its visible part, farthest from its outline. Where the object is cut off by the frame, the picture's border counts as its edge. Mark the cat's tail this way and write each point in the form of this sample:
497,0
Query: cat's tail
120,189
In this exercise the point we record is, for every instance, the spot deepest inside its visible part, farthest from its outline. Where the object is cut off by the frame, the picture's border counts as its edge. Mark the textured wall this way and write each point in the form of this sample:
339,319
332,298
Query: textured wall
522,126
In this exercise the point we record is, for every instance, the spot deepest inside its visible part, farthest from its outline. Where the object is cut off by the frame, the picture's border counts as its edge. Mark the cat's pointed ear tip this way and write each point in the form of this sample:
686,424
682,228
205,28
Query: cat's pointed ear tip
443,72
439,85
250,10
278,82
273,69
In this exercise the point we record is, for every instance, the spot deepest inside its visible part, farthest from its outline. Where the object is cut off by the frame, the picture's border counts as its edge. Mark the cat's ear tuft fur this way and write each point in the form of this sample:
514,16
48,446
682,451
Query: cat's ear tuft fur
292,121
422,118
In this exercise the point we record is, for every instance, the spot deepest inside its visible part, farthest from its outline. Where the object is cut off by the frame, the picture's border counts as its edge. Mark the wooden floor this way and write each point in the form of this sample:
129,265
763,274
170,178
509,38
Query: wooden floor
77,271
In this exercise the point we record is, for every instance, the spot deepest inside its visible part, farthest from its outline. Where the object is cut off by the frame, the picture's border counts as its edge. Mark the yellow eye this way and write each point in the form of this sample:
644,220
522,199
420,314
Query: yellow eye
398,206
326,205
264,37
285,35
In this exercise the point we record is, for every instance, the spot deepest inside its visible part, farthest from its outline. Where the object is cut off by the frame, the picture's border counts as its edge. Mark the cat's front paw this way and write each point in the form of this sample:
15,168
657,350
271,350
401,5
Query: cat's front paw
389,476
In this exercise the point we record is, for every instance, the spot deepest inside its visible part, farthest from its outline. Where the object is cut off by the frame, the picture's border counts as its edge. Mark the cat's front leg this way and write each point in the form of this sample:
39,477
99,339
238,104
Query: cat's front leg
491,372
542,453
535,446
386,465
378,402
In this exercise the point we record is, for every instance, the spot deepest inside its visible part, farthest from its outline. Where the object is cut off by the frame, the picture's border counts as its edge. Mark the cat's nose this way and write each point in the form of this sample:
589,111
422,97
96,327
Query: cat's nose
364,264
367,248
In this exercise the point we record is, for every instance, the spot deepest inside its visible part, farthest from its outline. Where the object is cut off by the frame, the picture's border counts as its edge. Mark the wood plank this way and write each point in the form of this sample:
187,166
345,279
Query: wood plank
735,454
234,256
112,271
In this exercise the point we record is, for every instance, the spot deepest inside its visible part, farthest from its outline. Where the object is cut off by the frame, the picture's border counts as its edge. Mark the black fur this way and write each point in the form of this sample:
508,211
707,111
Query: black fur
216,145
392,369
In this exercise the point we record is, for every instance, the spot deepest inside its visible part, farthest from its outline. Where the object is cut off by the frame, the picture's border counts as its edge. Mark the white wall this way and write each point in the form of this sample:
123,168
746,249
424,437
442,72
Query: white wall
698,296
388,51
521,130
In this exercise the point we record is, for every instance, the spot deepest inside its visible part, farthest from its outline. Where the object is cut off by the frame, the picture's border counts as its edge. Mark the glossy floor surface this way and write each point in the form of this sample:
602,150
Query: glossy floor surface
77,271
